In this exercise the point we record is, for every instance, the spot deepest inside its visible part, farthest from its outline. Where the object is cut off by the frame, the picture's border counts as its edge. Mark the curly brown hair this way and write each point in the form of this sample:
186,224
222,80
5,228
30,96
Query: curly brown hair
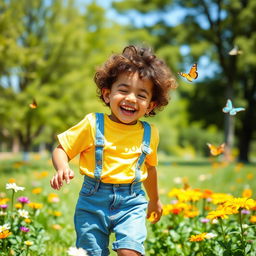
142,60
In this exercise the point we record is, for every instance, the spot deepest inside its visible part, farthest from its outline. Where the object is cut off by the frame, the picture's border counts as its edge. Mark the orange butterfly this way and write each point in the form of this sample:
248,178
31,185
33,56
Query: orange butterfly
216,150
192,73
33,104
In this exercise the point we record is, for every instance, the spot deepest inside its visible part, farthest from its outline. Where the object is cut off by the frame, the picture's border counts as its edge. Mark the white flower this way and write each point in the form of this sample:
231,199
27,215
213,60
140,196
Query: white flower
177,180
245,226
3,213
73,251
4,227
14,187
210,235
23,213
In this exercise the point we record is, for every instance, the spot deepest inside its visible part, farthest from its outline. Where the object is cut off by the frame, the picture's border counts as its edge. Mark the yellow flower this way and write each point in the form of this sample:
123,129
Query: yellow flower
4,234
152,217
4,200
35,205
41,175
53,198
253,219
188,195
57,213
198,238
191,214
174,192
27,220
247,193
219,198
37,191
28,243
240,203
56,227
221,213
18,206
174,208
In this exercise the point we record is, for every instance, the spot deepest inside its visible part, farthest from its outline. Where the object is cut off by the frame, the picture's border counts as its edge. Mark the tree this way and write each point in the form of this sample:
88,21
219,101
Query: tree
48,53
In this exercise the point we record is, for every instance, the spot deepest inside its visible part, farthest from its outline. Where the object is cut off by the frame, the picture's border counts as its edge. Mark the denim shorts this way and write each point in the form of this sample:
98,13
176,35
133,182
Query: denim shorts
104,208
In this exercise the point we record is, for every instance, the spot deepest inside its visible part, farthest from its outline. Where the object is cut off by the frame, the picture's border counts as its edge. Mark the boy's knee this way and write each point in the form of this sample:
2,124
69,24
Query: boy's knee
127,252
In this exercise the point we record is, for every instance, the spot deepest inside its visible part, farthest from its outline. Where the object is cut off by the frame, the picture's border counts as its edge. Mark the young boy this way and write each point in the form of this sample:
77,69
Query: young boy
117,153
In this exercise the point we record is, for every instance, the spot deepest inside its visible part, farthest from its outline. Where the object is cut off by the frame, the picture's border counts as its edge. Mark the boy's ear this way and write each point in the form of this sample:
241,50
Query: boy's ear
151,106
105,94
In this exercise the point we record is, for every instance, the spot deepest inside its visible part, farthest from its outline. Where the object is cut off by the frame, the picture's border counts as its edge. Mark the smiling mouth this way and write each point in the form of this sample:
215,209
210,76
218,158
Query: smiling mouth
128,110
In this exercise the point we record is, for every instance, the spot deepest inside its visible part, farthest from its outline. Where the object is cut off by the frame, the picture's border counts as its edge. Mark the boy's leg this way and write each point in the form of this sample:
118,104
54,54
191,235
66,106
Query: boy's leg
129,217
126,252
91,222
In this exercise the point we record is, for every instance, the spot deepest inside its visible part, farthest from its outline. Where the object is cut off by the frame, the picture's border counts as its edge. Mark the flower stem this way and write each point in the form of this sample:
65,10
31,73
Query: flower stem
223,232
242,230
11,213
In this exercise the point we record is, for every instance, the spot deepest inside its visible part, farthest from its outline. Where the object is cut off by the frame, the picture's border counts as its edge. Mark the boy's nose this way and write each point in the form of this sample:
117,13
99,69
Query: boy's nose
131,97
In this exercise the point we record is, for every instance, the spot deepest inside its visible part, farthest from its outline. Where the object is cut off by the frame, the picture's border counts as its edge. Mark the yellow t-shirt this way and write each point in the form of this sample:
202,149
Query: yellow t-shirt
121,150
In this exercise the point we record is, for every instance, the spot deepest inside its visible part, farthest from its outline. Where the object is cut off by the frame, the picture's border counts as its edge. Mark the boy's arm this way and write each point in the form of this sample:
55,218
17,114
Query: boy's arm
151,186
60,162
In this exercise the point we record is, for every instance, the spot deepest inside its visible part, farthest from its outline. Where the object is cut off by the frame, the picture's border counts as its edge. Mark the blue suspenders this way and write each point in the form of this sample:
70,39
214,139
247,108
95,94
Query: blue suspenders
99,146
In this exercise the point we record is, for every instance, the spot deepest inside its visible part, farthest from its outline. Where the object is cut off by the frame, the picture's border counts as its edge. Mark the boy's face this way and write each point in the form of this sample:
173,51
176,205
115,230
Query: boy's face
129,98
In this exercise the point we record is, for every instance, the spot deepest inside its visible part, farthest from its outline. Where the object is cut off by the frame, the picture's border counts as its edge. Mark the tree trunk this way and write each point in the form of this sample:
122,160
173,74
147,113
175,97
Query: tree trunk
246,134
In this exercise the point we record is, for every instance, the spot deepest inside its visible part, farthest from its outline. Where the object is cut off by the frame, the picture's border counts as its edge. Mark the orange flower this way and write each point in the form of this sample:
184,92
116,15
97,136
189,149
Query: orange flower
37,191
56,227
11,180
250,176
253,219
247,193
4,234
207,193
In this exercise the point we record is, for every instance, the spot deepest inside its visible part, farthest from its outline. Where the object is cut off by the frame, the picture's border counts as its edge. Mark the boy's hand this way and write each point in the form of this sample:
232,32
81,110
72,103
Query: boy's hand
61,175
155,209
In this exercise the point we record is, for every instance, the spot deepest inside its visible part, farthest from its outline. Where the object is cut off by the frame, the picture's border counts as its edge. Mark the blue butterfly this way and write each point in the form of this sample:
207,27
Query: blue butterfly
230,109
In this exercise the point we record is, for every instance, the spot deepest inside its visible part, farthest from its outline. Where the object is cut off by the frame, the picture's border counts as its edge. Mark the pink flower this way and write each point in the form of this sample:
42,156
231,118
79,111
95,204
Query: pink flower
3,206
23,200
24,229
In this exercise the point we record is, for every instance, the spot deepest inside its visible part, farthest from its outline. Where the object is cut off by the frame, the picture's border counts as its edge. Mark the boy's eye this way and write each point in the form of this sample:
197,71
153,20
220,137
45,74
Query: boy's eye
142,96
122,90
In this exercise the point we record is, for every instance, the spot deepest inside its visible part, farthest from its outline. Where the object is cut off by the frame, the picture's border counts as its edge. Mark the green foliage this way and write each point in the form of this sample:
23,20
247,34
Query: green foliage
49,52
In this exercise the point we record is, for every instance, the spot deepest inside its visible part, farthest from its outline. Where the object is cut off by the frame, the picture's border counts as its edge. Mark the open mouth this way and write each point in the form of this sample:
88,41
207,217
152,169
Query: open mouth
128,110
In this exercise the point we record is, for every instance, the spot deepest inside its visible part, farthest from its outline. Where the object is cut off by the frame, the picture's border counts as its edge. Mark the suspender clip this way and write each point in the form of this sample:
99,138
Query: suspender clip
146,149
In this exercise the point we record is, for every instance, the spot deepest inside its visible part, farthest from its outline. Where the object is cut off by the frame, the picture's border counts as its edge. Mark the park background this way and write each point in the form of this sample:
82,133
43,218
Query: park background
49,51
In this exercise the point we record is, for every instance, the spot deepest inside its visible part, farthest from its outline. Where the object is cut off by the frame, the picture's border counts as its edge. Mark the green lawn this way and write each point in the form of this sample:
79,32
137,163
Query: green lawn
200,173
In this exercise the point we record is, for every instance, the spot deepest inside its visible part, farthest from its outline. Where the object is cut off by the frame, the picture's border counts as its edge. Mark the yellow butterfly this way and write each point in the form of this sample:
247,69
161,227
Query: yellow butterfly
192,73
33,105
216,150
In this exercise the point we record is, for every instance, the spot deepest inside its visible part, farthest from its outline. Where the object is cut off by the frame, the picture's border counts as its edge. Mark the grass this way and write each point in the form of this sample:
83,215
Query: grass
199,173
